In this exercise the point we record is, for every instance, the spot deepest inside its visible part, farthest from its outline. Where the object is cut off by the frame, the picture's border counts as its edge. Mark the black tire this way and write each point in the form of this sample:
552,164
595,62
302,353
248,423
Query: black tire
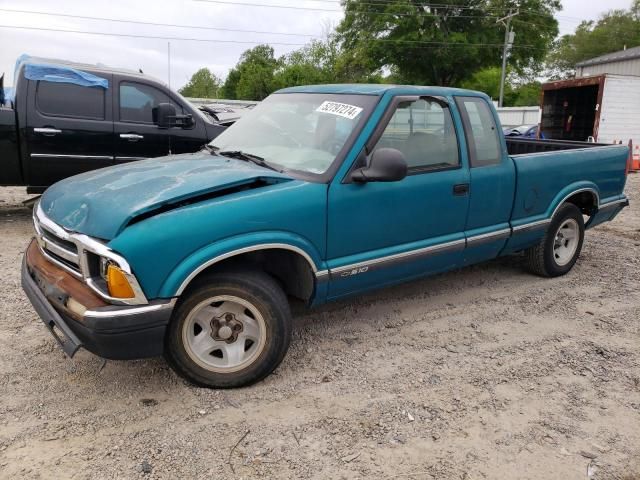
541,259
256,288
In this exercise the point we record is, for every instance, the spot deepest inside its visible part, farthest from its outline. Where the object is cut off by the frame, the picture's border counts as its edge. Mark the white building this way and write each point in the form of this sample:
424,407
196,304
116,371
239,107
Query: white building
624,62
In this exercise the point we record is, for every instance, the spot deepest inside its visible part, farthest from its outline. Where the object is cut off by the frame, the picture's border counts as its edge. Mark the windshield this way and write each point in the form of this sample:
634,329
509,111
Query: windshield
298,131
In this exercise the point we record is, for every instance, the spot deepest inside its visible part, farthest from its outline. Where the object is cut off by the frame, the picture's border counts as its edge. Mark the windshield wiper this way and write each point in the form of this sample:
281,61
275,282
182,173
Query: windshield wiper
249,157
212,149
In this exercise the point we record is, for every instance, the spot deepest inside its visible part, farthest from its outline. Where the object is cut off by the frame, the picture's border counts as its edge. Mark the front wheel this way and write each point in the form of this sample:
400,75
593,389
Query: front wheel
560,248
231,330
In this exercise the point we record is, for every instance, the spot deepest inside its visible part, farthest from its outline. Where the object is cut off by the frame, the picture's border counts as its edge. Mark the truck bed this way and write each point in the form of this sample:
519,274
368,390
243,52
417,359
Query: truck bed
545,177
519,146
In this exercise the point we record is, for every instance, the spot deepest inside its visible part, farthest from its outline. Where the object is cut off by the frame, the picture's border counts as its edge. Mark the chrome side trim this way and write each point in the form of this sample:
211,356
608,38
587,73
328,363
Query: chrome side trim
322,274
432,249
123,312
489,237
56,155
240,251
531,226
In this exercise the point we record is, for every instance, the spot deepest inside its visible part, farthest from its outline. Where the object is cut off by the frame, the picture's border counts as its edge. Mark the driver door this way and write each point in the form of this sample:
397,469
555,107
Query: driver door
384,233
136,135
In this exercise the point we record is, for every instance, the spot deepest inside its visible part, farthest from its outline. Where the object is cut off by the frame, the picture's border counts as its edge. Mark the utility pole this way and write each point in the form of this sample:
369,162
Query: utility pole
169,62
509,36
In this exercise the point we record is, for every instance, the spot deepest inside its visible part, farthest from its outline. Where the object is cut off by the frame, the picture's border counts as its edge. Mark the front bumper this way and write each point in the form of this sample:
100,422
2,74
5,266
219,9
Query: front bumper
77,317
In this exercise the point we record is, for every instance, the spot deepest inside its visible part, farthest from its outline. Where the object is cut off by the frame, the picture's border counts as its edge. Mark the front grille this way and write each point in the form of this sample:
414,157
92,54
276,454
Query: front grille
66,244
60,249
81,255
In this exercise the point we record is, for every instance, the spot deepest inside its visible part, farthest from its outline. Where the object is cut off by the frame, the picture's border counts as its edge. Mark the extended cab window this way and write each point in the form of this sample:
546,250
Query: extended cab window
138,101
481,131
69,100
423,131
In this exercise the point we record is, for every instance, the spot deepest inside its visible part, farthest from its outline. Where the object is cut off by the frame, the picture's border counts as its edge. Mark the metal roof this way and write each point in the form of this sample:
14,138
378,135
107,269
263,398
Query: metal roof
379,89
622,55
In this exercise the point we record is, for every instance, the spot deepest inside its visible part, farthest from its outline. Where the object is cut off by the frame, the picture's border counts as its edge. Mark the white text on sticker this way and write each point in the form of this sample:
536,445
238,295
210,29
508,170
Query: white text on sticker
341,109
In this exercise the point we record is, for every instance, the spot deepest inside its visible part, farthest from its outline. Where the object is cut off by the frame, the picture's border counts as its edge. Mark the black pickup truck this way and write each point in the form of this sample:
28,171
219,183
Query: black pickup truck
52,130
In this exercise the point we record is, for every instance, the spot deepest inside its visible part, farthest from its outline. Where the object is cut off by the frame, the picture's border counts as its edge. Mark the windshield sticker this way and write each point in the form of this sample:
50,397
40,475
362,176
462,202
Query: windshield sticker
341,109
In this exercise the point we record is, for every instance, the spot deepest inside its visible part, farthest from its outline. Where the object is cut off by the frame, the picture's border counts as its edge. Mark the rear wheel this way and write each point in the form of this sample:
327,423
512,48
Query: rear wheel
560,248
232,329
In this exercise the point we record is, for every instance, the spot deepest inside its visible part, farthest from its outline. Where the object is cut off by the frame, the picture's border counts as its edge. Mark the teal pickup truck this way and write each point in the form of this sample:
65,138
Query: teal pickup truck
319,193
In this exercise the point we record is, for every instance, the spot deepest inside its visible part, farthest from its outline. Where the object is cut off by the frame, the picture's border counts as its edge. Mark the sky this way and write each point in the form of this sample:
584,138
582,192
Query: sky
288,29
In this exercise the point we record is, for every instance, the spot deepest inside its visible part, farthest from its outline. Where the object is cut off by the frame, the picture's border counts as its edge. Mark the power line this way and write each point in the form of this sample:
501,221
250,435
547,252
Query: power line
287,7
316,9
154,24
416,43
432,5
154,37
458,7
199,27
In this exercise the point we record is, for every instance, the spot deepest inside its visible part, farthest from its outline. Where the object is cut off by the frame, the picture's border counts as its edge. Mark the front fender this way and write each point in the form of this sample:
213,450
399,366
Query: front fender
196,262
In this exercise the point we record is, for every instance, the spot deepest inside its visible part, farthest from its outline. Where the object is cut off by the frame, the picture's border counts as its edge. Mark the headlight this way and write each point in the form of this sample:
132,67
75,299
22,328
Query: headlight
104,264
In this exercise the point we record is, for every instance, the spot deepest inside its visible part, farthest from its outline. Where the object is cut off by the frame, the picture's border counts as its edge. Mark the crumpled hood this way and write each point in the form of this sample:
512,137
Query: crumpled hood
102,202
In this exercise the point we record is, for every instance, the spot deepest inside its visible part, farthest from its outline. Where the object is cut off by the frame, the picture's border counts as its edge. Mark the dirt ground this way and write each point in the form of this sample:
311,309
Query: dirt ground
486,372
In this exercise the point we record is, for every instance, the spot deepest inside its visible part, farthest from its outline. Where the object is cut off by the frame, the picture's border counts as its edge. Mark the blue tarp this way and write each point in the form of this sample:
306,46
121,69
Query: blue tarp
8,95
33,70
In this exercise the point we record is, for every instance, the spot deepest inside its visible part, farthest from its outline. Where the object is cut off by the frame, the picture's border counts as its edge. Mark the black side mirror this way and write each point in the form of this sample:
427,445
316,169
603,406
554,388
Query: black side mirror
164,115
386,165
184,121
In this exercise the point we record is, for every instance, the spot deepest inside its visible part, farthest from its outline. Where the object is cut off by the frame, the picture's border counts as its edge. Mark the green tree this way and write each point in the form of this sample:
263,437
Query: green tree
325,61
611,32
487,80
519,90
312,64
447,42
203,84
230,85
526,95
253,77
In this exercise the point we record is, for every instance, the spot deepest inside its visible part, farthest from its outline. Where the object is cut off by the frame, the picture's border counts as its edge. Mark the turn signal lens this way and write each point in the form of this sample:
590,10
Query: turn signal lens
118,284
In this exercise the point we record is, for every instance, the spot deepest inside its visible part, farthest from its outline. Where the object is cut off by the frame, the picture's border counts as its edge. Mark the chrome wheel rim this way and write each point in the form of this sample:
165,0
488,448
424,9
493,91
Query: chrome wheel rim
224,334
565,242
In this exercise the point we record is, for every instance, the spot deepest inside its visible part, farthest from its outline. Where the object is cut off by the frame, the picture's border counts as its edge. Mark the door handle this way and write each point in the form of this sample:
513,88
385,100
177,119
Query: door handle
132,137
461,189
47,131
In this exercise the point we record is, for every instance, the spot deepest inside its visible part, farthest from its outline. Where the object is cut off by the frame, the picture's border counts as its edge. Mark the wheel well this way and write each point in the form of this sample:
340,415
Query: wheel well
292,270
586,201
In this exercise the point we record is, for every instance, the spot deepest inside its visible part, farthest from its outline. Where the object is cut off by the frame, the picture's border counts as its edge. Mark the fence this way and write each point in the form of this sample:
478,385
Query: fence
509,116
516,116
222,101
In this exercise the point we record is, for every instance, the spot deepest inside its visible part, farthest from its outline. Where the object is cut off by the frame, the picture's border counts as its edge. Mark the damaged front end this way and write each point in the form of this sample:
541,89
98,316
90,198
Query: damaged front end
66,278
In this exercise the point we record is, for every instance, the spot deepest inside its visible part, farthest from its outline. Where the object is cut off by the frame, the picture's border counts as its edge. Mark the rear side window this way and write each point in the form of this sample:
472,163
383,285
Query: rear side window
69,100
423,131
481,131
138,102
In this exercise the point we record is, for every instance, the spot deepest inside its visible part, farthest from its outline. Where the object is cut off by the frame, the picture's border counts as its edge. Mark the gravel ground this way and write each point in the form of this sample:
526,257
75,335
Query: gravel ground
486,372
